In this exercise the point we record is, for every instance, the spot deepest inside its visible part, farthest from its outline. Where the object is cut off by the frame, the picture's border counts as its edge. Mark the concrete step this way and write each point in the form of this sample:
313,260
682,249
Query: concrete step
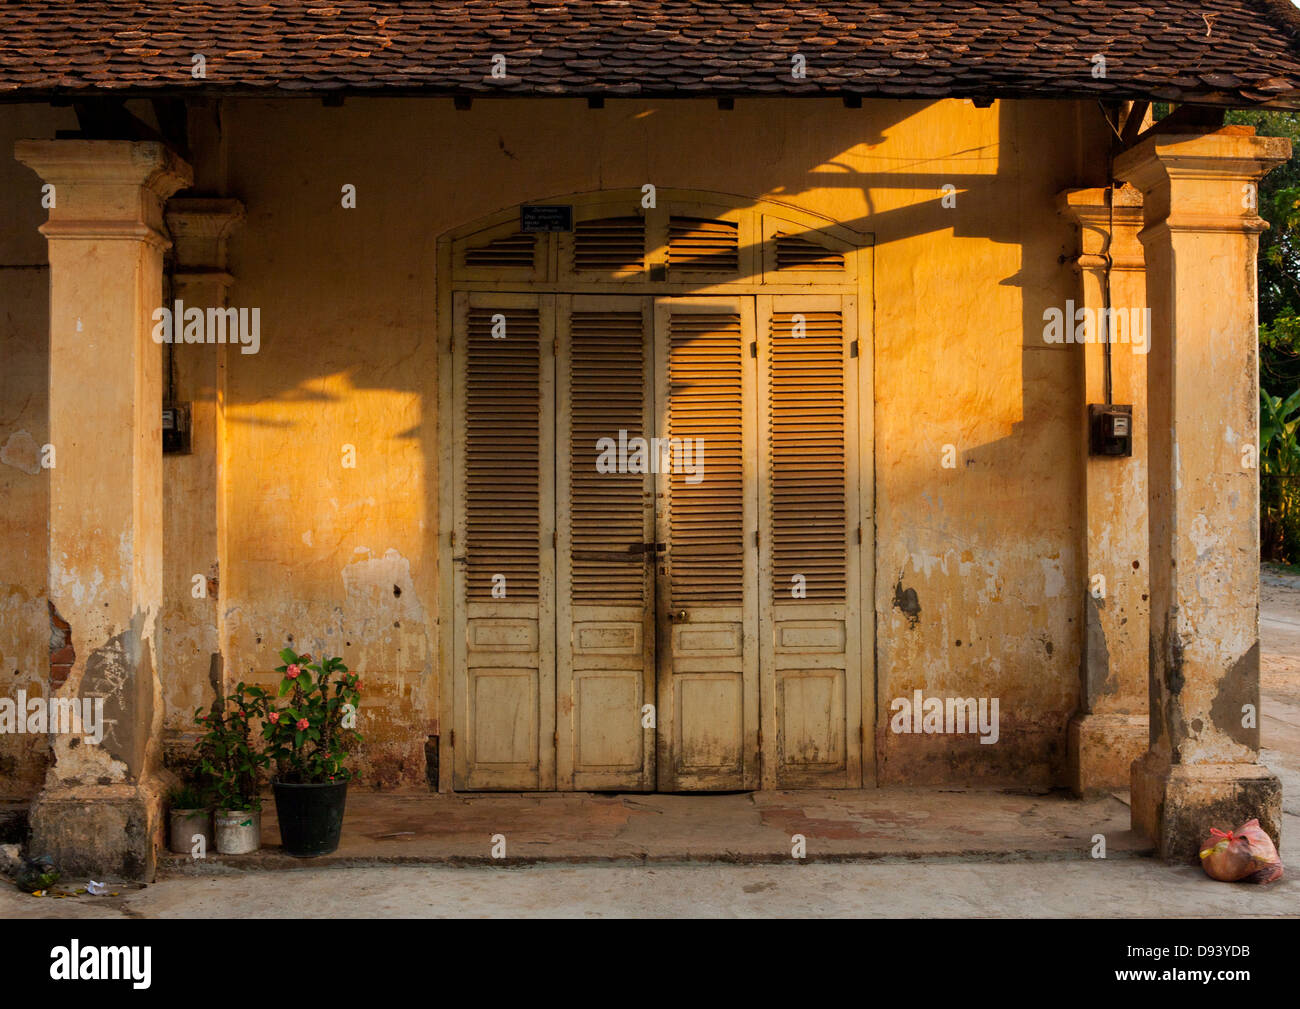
746,828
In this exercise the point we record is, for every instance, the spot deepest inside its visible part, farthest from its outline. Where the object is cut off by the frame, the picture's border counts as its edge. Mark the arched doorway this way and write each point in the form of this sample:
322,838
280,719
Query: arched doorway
656,537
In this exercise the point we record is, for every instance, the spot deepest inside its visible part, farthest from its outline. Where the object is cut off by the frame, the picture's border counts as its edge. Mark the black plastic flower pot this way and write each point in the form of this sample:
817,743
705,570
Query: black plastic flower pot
311,816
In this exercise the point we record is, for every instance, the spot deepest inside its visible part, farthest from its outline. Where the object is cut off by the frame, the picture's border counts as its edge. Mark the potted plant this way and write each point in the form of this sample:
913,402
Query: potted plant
189,814
231,761
309,729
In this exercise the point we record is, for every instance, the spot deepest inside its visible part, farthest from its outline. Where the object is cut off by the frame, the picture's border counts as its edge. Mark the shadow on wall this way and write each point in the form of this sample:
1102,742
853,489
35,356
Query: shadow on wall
345,558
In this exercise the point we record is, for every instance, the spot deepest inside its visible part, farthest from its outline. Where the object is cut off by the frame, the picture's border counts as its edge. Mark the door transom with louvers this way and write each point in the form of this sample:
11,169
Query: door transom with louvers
657,506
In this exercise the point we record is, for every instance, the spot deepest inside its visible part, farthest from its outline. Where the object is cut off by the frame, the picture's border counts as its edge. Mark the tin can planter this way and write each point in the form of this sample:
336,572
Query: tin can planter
239,831
185,823
311,816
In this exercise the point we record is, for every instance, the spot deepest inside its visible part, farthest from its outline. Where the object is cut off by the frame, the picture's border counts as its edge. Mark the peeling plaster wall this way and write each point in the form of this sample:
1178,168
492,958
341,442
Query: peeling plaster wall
984,558
337,559
990,545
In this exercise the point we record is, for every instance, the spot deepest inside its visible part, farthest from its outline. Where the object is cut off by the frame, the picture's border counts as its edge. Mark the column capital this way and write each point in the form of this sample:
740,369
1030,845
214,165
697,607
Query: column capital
1098,211
199,227
1202,182
106,189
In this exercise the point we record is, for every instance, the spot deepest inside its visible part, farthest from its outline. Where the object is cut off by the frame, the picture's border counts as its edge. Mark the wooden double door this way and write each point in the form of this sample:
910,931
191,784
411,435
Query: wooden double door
656,542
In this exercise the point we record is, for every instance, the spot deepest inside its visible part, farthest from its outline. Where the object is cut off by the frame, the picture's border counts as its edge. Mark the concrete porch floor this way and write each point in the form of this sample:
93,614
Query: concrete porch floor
757,827
902,852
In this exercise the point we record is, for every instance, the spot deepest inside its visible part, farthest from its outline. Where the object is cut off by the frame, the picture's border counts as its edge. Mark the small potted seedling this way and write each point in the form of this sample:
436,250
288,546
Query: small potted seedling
230,761
190,816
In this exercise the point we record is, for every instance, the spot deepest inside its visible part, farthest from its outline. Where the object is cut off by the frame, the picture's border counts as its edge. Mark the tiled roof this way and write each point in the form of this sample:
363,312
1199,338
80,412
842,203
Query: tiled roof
1222,51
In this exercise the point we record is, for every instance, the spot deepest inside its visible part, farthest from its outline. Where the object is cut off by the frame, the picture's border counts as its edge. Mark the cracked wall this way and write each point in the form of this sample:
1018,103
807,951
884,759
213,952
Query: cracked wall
983,556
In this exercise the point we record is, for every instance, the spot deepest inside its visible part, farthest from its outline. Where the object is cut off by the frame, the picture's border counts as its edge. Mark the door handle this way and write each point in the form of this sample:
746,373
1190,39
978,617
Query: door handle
677,618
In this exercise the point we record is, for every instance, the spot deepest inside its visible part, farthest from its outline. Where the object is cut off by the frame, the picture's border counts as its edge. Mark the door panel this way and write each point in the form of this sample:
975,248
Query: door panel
504,694
707,516
712,569
809,553
605,602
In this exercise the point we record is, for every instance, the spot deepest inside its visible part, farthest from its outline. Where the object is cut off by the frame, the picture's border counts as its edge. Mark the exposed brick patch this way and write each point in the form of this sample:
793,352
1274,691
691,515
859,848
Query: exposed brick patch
62,655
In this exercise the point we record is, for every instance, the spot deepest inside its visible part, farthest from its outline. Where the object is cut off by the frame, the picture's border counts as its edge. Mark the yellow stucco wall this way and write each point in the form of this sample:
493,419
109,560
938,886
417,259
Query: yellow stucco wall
345,559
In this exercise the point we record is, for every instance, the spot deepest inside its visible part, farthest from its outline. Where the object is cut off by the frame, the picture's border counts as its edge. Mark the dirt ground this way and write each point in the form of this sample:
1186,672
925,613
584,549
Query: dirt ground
1279,676
1279,631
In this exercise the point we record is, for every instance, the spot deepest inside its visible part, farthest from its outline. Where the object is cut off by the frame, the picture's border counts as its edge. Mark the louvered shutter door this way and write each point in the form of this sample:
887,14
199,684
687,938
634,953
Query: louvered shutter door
606,247
795,253
809,550
511,251
504,578
499,254
697,245
708,697
605,645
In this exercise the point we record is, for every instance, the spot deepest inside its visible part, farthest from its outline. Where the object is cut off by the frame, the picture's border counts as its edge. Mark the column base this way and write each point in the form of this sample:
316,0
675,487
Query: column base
109,830
1101,751
1175,805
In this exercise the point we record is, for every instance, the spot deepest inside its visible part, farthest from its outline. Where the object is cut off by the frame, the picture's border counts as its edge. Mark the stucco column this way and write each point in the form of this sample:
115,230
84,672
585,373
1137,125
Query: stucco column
1110,730
192,649
1201,238
100,808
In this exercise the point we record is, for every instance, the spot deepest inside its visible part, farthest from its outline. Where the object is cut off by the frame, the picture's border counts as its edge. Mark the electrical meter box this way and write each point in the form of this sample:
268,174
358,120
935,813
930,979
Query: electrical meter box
1110,429
176,429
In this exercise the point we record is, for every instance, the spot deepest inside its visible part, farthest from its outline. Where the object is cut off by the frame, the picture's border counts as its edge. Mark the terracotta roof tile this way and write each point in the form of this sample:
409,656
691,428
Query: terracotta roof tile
1248,49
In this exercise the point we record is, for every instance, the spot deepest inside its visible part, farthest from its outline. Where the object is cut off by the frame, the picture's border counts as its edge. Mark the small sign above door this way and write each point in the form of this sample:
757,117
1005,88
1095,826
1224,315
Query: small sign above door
545,217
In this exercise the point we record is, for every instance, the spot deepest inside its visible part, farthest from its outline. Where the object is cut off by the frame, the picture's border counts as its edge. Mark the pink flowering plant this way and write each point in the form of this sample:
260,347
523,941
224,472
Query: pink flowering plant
309,727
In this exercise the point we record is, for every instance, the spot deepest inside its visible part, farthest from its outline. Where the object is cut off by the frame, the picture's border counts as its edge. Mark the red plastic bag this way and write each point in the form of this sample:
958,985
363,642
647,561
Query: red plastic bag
1246,854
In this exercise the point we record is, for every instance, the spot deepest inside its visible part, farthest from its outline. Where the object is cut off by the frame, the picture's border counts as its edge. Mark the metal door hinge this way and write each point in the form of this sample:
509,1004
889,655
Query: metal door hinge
755,537
555,347
555,740
452,738
554,539
753,348
853,349
859,534
452,540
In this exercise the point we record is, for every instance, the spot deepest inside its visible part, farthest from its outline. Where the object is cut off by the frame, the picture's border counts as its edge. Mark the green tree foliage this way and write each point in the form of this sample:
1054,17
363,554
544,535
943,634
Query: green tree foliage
1279,475
1279,340
1279,257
